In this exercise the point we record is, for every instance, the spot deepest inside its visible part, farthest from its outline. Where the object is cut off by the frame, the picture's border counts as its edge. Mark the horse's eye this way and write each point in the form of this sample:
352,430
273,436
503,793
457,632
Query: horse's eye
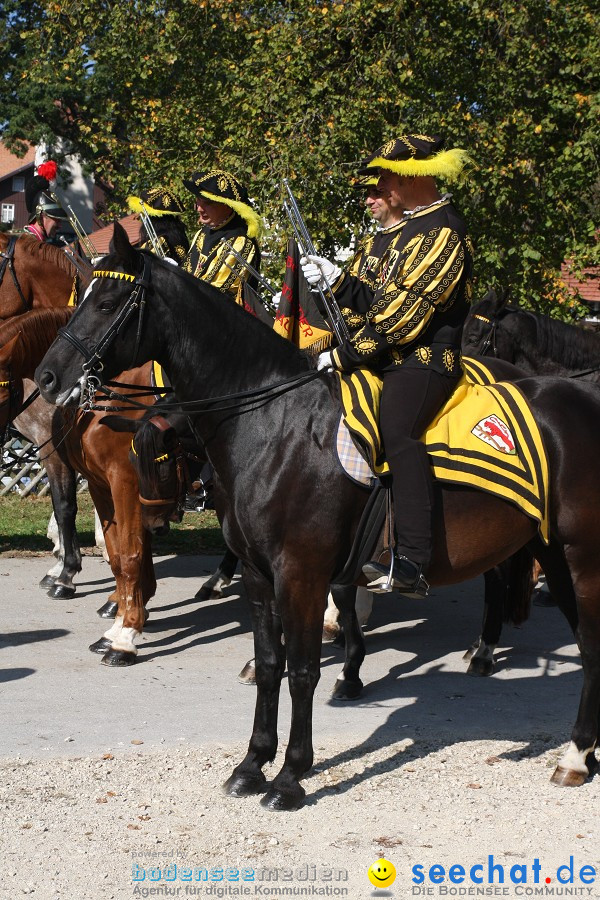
107,306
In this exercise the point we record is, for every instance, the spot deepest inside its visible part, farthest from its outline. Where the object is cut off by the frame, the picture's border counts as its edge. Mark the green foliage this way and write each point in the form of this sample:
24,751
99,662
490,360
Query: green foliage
145,91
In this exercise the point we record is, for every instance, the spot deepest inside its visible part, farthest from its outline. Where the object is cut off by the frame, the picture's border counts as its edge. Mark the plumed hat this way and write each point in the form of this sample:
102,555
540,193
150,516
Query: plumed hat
38,196
414,155
222,187
157,202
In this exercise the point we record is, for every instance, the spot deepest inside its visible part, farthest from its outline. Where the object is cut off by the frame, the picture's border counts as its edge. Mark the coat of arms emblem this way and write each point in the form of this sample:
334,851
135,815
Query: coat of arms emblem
496,433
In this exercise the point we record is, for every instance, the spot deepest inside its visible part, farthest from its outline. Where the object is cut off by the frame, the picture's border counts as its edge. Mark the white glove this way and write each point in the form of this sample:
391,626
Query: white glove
170,259
316,269
276,300
325,361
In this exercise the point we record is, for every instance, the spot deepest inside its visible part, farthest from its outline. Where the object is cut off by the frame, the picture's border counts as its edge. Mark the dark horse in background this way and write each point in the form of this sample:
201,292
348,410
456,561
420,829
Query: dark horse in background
272,505
536,344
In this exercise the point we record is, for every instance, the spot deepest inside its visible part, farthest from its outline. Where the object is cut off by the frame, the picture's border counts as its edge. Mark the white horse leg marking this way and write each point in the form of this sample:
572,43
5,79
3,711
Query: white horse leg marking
126,641
99,536
216,584
574,759
115,629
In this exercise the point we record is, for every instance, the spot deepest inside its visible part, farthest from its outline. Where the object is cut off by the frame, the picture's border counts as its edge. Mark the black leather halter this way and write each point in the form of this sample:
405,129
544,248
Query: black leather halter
136,302
8,261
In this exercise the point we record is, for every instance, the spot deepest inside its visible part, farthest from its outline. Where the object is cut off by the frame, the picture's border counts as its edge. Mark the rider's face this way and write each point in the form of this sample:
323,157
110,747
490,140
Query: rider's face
379,206
391,185
50,225
211,213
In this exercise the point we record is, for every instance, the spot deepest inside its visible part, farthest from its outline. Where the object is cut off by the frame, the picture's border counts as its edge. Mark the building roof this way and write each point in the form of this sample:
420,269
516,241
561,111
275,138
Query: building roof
11,164
588,288
101,239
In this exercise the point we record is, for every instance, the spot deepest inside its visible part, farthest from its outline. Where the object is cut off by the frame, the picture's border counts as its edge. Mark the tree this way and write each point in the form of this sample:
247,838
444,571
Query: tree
147,91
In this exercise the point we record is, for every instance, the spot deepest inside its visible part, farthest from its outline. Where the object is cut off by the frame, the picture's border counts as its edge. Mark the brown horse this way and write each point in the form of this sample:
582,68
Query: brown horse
292,515
77,442
33,274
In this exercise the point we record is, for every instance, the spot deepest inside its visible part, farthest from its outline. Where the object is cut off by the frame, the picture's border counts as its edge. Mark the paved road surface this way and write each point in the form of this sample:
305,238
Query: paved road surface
56,697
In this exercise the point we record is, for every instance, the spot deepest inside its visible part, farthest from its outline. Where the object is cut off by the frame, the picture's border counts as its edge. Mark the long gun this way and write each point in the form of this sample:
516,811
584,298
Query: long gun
151,231
307,248
253,272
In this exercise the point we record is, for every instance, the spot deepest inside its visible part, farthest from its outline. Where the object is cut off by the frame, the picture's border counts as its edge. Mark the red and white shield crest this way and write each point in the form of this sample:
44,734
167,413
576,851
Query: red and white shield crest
496,433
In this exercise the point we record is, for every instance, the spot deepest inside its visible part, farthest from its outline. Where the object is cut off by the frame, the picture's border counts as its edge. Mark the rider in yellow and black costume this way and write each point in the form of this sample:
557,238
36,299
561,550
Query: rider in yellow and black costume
164,209
407,326
225,215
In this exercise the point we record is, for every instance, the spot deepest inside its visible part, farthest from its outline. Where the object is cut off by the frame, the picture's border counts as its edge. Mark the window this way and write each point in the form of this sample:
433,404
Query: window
8,212
18,183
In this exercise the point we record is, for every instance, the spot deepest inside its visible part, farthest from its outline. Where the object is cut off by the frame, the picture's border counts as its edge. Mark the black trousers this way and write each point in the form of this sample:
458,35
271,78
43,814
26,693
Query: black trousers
409,402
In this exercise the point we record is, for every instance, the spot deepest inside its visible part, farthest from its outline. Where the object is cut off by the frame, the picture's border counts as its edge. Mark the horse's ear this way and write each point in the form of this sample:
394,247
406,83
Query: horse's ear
505,297
122,248
120,423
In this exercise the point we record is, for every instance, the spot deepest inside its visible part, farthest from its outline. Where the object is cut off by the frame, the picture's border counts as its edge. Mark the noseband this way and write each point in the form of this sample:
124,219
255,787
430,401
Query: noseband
136,302
490,339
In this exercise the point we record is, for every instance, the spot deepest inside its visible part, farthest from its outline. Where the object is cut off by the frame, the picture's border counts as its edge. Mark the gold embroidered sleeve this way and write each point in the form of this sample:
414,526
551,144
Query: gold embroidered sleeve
424,281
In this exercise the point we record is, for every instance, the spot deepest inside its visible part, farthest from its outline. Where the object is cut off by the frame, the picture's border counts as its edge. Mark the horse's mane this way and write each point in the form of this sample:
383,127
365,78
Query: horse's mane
48,253
568,345
227,311
39,328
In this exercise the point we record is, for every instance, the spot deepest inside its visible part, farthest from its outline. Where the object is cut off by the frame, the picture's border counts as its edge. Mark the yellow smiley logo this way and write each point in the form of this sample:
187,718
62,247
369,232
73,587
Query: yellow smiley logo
382,873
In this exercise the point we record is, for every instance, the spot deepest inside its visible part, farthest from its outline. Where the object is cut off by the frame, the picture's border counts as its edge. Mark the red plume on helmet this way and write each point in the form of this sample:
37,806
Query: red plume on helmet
48,170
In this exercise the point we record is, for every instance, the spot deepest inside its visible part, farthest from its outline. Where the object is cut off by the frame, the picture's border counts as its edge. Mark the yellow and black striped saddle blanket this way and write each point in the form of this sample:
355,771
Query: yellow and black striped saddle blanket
484,437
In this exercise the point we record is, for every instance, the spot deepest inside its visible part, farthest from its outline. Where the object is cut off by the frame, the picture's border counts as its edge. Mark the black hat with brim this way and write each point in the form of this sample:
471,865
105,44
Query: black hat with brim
222,187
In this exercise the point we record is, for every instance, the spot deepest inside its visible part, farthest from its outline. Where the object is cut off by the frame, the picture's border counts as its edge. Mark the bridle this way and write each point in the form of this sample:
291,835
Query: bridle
8,261
136,302
182,470
490,338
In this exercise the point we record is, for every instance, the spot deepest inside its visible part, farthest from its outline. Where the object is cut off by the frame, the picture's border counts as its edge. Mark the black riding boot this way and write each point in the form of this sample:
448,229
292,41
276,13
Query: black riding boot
403,575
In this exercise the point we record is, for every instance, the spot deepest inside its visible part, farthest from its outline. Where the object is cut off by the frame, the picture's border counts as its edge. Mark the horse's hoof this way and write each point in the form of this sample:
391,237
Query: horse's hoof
283,801
480,666
347,690
109,610
47,582
208,593
100,646
568,777
244,785
468,654
248,673
118,658
61,592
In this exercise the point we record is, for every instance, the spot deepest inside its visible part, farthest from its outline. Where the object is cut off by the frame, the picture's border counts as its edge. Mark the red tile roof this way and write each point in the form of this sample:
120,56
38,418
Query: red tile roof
101,239
11,164
588,288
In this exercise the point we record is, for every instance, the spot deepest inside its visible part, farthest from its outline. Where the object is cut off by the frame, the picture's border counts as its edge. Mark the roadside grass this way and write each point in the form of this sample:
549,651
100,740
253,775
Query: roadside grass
24,520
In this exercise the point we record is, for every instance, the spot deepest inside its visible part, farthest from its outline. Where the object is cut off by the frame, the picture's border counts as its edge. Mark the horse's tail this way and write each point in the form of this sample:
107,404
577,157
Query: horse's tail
517,575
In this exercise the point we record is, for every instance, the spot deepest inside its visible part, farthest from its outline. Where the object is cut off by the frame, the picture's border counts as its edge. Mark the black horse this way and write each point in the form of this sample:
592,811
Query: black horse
268,423
536,344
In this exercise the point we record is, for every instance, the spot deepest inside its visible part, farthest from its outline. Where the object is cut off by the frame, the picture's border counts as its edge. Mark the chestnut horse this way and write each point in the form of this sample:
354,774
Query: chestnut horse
78,443
268,423
33,274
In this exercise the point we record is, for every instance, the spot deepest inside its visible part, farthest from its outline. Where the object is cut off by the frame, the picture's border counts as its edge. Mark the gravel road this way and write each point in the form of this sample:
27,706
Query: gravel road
110,779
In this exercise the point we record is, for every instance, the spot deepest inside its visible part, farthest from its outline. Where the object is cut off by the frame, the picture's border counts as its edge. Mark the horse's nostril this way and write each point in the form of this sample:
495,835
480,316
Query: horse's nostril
47,380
